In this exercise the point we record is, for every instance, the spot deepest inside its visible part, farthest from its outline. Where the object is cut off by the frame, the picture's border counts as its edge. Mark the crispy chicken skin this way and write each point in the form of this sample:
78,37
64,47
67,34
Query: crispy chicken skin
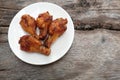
30,44
43,21
56,29
28,24
50,31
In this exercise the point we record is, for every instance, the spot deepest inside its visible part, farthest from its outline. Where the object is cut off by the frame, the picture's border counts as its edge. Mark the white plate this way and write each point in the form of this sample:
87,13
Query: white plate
58,49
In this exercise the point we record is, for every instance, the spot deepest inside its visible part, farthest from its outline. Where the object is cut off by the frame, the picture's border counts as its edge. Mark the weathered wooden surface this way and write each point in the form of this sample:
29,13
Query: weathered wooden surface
95,52
94,55
86,14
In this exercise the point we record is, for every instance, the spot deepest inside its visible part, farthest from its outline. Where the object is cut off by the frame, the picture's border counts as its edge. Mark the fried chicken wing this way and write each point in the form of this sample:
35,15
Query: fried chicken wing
56,29
43,21
28,24
30,44
50,31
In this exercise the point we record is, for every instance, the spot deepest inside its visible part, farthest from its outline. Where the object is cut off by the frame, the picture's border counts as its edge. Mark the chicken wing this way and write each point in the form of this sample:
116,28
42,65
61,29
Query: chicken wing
30,44
28,24
43,21
56,29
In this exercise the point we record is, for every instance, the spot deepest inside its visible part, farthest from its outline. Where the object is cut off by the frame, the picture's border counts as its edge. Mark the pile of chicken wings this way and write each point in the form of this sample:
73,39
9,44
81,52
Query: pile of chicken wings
49,31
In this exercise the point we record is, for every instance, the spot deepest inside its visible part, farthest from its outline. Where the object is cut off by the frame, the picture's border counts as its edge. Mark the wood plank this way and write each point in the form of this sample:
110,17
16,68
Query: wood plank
99,4
18,4
3,38
93,20
96,4
90,58
6,16
92,14
3,30
109,19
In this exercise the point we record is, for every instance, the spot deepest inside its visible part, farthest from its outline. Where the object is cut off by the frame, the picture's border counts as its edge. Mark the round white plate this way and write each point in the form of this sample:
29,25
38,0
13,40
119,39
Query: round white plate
58,49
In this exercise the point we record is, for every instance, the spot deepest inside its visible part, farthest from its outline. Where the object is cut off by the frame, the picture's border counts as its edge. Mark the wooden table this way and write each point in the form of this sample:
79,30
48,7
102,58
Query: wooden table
95,52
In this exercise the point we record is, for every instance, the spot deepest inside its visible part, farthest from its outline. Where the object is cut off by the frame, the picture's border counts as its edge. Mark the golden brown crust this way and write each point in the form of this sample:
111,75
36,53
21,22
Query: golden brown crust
43,21
56,29
30,44
50,30
28,24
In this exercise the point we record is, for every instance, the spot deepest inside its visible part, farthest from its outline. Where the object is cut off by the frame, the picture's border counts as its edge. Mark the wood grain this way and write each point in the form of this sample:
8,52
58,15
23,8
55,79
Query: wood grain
3,38
92,14
86,14
3,30
90,58
95,52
